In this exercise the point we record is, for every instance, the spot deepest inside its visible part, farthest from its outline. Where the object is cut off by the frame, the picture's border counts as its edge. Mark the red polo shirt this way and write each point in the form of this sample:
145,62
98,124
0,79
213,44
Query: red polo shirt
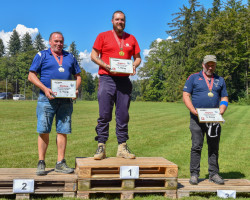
108,47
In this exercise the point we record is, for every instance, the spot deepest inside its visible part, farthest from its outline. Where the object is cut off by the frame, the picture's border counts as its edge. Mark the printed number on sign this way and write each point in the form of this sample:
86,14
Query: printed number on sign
23,186
129,172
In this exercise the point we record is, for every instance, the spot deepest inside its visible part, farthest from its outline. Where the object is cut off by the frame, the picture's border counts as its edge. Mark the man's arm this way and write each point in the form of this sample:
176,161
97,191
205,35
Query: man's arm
223,107
97,60
137,62
33,79
188,103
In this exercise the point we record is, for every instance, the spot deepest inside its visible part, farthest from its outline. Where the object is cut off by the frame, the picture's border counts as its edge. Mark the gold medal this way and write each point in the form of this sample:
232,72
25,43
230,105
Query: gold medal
210,94
121,53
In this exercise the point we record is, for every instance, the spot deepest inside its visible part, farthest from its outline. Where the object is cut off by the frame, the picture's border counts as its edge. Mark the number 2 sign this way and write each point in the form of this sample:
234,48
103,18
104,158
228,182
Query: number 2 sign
129,172
23,186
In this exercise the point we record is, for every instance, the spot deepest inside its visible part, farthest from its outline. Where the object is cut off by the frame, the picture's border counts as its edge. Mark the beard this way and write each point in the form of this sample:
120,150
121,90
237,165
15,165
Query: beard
208,72
120,29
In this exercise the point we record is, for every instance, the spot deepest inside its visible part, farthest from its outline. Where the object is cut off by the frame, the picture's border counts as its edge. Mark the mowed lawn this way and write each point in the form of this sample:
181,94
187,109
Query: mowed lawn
155,130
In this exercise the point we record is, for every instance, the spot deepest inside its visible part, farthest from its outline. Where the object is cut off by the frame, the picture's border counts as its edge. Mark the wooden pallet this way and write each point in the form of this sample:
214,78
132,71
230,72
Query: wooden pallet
156,175
97,184
128,194
52,183
184,187
149,167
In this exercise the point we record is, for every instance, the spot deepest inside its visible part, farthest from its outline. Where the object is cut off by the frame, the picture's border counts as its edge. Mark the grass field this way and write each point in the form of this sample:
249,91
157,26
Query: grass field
155,130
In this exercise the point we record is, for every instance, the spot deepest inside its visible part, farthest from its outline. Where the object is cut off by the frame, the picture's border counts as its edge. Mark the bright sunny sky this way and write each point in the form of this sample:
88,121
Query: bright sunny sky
81,21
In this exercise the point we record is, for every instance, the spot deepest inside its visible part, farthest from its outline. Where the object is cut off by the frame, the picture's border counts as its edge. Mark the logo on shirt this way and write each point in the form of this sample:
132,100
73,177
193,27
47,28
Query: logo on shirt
127,44
185,87
216,82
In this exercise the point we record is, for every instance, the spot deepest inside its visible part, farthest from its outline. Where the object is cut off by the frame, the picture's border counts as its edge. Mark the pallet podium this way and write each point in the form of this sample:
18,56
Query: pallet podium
126,177
155,175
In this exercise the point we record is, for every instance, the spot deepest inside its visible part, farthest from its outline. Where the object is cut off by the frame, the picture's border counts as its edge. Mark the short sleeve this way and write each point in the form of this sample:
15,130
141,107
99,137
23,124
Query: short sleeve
224,90
188,87
137,48
76,68
36,64
98,42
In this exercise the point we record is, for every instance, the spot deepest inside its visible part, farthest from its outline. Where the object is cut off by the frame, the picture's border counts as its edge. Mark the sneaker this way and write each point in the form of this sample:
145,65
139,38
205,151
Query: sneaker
63,168
41,168
193,180
216,179
124,152
100,152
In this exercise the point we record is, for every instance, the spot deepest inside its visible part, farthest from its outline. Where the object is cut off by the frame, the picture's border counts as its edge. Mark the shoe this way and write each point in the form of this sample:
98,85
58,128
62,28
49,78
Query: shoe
41,168
63,168
100,152
216,179
124,152
193,180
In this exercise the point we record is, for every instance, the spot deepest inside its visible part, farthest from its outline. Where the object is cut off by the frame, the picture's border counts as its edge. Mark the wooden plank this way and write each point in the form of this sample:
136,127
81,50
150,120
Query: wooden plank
135,184
7,174
204,185
155,166
22,196
117,162
128,194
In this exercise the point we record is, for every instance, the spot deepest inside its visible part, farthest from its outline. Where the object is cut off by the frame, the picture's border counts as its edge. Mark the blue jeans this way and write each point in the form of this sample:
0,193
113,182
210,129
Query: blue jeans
113,90
47,109
198,131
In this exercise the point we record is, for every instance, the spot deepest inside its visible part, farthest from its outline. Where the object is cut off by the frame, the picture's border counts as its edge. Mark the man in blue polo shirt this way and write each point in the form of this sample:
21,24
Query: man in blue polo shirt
207,90
53,63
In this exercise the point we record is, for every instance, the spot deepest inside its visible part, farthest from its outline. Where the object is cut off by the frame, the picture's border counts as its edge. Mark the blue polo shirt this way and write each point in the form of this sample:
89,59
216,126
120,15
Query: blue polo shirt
196,85
47,67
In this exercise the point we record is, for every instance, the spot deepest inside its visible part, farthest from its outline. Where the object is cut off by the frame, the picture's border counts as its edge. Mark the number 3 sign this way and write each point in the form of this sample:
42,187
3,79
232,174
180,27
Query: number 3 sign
129,172
23,186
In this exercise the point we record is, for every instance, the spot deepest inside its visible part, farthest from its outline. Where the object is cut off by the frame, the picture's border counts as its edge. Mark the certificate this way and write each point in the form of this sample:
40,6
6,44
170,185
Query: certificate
209,115
63,88
118,65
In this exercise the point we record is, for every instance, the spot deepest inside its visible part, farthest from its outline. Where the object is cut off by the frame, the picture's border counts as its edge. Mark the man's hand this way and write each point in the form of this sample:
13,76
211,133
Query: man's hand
188,103
194,112
134,71
77,92
49,94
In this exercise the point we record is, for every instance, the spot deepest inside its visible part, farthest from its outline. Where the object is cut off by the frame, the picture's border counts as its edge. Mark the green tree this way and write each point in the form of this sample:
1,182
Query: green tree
39,43
26,43
1,48
74,51
22,65
136,90
14,44
226,36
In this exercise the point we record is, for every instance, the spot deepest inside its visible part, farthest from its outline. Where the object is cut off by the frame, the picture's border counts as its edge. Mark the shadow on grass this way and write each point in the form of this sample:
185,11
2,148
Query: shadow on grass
230,175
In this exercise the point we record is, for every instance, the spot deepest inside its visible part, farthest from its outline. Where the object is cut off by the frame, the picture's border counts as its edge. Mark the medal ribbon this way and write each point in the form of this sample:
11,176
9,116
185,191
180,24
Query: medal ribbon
58,61
120,44
210,86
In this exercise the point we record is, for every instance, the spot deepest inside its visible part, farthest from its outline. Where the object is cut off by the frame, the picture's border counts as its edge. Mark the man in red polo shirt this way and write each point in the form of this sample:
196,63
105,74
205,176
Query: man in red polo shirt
114,87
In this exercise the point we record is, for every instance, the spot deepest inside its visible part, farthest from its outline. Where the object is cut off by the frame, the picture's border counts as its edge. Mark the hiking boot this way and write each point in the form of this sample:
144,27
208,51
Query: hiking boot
124,152
216,179
193,180
63,168
100,152
41,168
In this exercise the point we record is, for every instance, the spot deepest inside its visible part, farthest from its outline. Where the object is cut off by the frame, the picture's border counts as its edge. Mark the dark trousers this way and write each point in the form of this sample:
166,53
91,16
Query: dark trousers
198,131
113,90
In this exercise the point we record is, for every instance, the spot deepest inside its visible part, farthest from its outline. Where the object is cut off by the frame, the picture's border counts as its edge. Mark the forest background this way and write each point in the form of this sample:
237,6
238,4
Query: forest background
222,30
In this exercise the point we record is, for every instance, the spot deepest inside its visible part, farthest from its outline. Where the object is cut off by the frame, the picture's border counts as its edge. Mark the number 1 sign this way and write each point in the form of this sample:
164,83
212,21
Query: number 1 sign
23,186
129,172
